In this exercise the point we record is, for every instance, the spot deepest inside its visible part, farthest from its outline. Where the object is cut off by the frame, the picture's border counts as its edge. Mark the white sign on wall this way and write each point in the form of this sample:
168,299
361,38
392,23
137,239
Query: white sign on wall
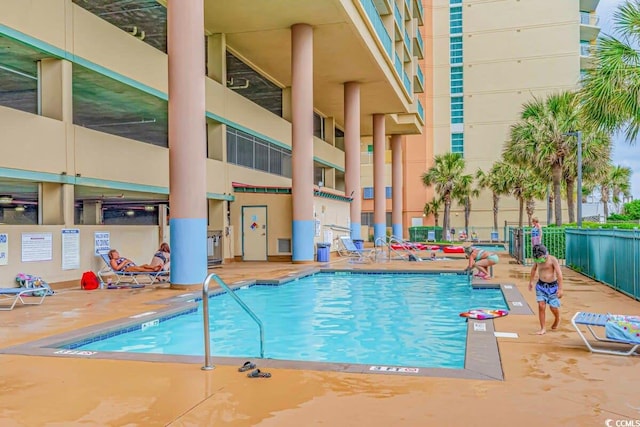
70,248
4,248
37,247
102,243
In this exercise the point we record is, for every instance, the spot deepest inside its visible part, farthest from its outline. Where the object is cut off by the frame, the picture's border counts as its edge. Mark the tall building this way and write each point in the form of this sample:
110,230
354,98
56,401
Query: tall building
483,61
247,113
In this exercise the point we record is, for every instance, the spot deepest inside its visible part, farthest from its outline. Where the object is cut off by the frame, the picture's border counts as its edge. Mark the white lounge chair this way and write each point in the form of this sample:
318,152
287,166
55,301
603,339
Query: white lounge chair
132,276
17,294
349,249
619,329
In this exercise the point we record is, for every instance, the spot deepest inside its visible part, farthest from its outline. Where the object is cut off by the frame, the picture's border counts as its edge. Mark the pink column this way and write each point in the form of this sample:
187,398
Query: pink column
302,142
187,142
396,185
352,154
379,201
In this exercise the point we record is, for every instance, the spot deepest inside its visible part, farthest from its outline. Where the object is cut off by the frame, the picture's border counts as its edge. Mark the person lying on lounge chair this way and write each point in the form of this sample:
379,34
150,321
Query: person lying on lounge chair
119,263
162,257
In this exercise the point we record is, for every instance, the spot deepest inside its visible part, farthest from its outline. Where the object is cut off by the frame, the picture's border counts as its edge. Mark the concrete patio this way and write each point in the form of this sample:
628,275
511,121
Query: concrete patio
549,380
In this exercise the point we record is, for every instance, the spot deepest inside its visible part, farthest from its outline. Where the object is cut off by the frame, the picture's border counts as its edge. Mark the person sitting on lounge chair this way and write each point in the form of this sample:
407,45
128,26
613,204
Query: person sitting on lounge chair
119,263
162,257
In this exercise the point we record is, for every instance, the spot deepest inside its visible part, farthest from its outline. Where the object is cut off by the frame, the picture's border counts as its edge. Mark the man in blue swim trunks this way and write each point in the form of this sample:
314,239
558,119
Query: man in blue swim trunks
548,287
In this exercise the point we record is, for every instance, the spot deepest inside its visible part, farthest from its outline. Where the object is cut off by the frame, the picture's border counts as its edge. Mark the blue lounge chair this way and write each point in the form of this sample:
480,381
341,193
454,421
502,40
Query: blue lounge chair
619,329
16,294
130,276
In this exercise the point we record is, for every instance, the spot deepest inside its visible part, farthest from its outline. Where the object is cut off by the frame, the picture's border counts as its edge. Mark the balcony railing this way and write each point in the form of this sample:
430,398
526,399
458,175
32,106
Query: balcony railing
407,42
420,110
378,26
418,12
397,14
406,81
420,75
587,18
585,50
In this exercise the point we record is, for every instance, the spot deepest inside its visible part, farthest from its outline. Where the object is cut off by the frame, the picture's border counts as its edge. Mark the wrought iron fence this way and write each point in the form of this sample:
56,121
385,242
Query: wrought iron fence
520,243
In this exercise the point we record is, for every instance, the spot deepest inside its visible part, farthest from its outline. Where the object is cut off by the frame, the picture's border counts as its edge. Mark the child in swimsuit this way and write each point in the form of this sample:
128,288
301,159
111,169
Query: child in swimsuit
548,287
482,260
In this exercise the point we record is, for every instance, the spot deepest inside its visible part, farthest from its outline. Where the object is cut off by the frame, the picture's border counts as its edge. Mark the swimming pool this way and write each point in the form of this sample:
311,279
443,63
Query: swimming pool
409,320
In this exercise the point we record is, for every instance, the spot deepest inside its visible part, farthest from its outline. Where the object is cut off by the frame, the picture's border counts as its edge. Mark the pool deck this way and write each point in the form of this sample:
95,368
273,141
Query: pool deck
548,380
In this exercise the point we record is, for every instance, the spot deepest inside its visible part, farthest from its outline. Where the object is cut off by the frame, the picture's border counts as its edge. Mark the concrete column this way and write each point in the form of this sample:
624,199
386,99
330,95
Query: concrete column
396,185
163,224
91,213
56,102
217,58
187,142
352,154
302,141
330,130
217,141
286,104
379,199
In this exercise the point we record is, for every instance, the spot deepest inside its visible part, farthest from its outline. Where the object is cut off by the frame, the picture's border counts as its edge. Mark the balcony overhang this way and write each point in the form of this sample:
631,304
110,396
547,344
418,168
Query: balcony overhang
589,5
405,124
589,32
345,49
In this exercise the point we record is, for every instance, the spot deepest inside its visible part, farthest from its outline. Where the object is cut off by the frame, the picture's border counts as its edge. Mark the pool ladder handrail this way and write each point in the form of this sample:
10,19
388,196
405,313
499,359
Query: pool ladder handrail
205,315
406,244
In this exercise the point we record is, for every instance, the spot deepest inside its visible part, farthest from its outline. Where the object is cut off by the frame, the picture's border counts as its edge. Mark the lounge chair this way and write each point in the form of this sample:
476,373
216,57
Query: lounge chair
619,329
349,249
16,294
131,276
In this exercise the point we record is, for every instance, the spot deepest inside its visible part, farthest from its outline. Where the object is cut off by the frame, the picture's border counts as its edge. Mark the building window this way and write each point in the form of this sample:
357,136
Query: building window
388,193
455,50
249,151
456,79
455,20
367,193
455,2
457,110
457,143
367,219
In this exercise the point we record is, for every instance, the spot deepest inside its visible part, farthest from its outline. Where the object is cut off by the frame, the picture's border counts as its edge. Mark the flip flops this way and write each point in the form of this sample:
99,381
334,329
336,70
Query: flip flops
247,365
257,373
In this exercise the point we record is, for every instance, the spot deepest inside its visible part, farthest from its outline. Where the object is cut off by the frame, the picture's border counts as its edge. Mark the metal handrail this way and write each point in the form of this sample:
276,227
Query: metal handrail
205,314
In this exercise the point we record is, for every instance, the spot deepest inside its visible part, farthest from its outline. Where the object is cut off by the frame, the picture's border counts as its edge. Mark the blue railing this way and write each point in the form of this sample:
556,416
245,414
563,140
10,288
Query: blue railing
407,41
420,75
398,64
397,15
420,110
610,256
408,3
378,26
420,42
406,81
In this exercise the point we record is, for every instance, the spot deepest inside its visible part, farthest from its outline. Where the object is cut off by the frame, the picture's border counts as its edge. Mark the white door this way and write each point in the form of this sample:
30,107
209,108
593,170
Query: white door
254,233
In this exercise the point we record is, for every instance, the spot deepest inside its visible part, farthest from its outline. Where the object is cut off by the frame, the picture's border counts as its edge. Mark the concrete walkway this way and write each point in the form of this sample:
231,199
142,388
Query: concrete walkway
549,380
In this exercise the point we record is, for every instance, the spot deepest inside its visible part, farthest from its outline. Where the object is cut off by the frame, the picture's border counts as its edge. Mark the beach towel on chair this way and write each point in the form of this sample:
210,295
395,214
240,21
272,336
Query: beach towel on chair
30,281
623,328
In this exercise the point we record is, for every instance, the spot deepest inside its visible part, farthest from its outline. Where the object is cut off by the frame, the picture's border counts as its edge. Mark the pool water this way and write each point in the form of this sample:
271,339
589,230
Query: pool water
407,320
492,248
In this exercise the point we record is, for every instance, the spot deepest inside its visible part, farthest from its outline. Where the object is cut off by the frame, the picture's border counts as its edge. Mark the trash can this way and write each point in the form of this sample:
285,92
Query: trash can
359,243
323,251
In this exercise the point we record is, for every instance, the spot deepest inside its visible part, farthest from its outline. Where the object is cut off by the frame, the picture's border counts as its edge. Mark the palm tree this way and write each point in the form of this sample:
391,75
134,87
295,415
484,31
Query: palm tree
533,190
444,175
611,91
496,181
540,139
616,181
596,154
433,208
463,194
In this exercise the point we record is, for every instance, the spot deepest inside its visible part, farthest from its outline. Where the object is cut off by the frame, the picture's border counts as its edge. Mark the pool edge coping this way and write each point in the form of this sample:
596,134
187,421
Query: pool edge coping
482,357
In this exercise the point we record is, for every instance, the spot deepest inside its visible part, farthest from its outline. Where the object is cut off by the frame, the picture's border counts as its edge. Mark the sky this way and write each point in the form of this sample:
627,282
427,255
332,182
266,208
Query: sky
624,154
